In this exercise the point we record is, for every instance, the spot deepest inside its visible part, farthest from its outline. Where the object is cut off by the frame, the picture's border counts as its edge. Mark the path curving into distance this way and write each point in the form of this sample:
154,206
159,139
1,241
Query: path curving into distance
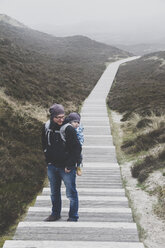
105,217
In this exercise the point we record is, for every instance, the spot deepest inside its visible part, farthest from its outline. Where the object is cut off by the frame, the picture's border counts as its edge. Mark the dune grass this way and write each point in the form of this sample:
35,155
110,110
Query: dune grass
138,95
146,143
144,163
22,165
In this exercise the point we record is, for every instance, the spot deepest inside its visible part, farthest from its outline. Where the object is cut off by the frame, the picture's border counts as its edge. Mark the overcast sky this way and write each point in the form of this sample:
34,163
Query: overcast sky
88,15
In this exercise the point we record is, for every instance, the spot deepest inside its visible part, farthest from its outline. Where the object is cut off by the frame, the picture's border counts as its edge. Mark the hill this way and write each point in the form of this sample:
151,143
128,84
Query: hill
40,64
139,86
37,70
142,49
7,19
137,39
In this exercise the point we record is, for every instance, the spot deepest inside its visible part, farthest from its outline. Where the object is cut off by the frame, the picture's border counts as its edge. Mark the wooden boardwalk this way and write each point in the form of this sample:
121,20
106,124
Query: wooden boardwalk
105,217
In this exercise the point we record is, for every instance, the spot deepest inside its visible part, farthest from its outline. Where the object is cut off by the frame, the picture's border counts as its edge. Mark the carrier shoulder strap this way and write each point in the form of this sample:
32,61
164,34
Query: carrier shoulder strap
48,131
62,131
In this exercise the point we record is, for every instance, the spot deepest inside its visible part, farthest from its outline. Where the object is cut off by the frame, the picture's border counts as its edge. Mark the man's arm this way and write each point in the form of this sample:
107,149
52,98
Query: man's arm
43,138
44,144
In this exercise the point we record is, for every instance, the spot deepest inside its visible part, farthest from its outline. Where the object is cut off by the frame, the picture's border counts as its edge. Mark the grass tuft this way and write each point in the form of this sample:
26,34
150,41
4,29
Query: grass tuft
144,142
143,168
144,123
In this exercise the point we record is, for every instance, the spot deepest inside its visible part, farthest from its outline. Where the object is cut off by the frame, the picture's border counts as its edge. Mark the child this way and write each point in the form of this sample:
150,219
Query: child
74,120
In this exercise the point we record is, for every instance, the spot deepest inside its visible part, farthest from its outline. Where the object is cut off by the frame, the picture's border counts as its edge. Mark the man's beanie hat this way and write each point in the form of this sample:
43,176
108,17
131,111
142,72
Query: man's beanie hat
74,117
56,109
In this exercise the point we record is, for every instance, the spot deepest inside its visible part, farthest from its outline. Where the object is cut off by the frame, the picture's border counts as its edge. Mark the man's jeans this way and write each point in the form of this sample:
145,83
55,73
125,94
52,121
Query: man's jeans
56,175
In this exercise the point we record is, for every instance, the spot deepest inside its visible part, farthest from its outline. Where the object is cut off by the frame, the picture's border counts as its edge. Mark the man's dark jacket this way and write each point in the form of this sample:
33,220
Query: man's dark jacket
60,153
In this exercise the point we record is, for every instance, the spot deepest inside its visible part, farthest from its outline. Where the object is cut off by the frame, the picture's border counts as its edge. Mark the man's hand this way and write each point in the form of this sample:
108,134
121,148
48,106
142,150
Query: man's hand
67,170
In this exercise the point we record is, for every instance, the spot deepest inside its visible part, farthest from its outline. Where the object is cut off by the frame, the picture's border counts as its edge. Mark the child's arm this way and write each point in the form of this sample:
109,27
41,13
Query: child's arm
80,134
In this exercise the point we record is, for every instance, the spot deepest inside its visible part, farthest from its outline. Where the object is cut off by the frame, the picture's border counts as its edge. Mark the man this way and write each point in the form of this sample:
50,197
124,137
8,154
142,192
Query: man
61,158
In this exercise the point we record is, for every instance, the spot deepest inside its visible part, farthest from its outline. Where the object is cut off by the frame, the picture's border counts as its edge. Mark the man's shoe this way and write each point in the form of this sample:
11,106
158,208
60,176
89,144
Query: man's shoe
52,218
72,219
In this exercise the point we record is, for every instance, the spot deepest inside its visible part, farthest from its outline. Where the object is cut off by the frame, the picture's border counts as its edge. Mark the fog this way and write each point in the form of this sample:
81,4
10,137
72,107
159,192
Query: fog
111,21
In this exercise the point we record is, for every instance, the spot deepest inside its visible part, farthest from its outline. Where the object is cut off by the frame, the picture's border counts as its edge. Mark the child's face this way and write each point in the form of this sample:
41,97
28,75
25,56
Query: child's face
75,124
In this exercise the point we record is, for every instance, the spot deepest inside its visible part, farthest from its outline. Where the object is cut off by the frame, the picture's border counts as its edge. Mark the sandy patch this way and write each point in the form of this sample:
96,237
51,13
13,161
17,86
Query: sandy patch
155,180
116,116
156,58
142,206
152,58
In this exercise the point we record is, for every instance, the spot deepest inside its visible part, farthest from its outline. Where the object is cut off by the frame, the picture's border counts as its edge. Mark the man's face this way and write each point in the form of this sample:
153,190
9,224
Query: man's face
59,119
